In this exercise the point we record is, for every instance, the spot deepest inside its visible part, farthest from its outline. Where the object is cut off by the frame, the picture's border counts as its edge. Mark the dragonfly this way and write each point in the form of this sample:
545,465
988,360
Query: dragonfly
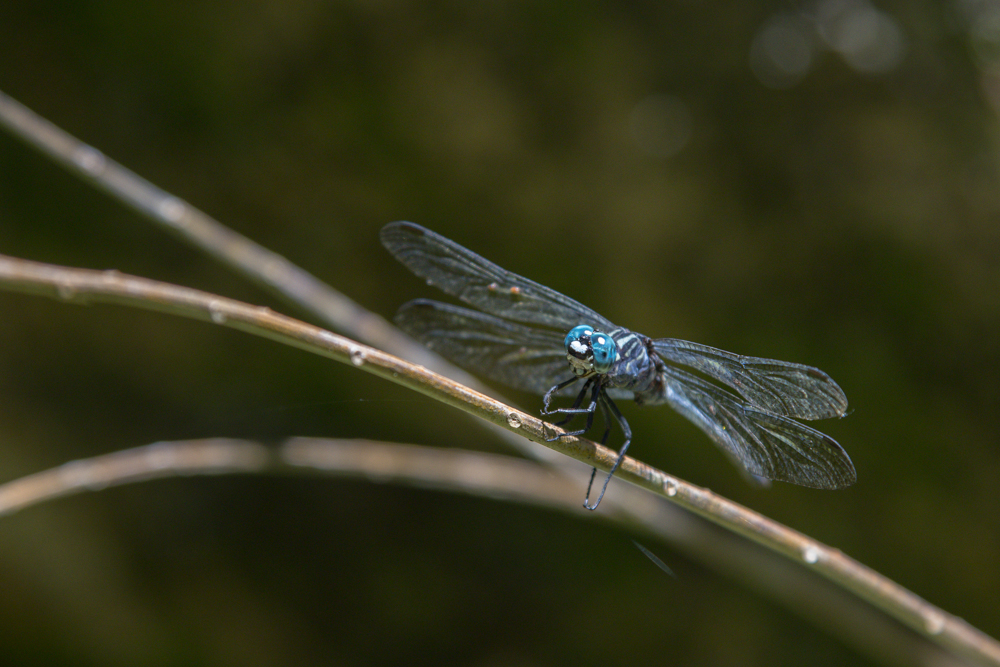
533,338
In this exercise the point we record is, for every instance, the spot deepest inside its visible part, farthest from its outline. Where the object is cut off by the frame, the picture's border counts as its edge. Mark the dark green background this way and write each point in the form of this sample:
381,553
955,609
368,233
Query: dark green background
849,221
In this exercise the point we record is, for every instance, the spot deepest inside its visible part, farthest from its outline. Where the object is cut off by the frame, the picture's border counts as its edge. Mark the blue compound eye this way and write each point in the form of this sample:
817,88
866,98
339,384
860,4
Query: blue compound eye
605,351
576,333
590,351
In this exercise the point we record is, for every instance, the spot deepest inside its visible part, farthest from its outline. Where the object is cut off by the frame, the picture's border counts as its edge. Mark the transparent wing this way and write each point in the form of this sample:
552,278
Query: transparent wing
766,444
518,356
779,387
481,283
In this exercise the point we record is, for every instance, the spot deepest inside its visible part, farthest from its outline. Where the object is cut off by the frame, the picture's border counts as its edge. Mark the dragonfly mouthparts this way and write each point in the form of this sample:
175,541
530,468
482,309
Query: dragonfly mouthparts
580,357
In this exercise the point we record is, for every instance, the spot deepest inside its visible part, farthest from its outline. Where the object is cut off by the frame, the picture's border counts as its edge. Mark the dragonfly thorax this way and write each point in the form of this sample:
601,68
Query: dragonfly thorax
590,351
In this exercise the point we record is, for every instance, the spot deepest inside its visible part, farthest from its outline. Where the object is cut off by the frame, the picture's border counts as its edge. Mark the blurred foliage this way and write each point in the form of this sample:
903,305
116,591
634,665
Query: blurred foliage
813,181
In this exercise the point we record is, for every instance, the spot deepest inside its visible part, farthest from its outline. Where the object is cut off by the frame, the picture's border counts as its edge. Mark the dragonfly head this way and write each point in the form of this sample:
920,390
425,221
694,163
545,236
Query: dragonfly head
590,351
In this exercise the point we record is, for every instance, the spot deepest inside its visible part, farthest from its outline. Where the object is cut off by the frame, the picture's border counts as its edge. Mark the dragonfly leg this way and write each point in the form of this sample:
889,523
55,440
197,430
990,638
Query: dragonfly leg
573,410
595,389
606,402
604,439
548,395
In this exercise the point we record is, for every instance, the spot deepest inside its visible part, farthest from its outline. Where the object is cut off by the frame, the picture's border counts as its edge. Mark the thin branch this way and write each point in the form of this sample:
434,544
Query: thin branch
83,286
476,473
484,475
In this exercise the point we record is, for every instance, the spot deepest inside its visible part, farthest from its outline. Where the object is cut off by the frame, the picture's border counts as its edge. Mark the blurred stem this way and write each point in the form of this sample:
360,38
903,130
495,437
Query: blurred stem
483,475
254,261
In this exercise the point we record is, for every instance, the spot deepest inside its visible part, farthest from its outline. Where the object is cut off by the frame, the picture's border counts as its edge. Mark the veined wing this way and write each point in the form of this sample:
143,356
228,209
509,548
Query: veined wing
765,443
518,356
779,387
481,283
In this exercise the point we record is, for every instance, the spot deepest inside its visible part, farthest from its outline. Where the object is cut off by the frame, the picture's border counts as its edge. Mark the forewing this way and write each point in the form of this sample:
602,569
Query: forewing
521,357
481,283
766,444
779,387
